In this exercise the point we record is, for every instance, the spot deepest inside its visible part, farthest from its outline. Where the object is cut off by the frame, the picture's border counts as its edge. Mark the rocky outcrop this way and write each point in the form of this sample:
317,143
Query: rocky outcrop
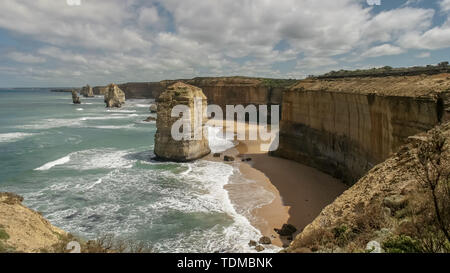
188,148
115,97
344,127
87,91
75,97
25,230
153,108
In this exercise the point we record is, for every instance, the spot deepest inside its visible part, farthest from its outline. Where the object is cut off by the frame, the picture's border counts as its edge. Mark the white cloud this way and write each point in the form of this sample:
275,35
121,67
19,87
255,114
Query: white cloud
445,5
131,40
25,58
423,55
383,50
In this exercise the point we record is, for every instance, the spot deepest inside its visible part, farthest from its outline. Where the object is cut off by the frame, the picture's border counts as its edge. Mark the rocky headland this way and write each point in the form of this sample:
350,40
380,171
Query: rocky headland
25,230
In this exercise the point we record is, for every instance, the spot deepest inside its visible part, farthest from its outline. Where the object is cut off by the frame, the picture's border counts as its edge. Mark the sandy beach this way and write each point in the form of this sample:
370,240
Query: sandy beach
297,192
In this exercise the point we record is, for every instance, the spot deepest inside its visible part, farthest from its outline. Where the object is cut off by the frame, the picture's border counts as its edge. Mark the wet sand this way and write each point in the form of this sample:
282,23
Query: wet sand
298,192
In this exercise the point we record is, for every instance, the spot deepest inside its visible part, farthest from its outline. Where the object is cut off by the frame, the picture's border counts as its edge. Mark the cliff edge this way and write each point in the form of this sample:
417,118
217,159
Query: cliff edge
25,230
400,205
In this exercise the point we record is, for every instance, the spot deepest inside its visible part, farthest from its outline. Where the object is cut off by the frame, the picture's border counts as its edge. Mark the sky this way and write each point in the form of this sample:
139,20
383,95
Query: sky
56,43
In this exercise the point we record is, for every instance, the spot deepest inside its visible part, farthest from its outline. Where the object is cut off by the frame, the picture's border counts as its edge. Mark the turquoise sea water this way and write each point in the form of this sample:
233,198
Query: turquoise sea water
89,171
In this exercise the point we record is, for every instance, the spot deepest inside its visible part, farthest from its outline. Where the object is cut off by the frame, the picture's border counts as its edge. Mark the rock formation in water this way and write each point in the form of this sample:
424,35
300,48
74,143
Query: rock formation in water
75,97
114,97
153,108
346,126
189,148
87,91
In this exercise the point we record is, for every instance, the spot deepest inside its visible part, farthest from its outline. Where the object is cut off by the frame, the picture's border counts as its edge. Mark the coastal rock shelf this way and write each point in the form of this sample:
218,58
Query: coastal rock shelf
166,147
344,127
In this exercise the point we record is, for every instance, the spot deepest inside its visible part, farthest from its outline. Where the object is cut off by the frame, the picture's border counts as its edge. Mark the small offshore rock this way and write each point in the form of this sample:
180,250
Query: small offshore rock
259,248
265,240
153,108
373,247
252,243
75,97
149,119
228,158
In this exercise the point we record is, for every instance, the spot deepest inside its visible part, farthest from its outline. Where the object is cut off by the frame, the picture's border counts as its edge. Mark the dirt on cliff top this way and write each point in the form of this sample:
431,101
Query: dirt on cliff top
392,205
23,229
417,86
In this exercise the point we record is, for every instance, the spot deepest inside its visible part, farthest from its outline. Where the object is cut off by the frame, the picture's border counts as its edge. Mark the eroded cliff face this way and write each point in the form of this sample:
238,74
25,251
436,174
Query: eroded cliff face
143,90
100,90
344,127
194,144
391,200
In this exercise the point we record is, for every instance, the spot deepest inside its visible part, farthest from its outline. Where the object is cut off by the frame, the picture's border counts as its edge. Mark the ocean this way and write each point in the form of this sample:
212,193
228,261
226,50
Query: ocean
89,171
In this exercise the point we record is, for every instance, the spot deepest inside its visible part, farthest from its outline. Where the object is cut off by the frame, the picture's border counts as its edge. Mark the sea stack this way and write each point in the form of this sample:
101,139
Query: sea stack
193,145
87,91
75,97
114,97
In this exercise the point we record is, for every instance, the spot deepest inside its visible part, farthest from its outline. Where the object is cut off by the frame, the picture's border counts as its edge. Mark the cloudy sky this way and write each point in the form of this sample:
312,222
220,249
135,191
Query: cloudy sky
59,43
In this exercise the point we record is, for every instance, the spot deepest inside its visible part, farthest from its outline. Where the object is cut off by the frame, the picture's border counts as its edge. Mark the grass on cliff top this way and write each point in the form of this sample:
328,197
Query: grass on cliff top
273,83
384,71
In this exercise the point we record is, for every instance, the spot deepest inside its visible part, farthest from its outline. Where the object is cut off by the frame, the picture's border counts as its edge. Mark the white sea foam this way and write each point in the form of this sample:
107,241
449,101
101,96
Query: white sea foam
127,201
112,116
49,165
80,109
51,123
12,137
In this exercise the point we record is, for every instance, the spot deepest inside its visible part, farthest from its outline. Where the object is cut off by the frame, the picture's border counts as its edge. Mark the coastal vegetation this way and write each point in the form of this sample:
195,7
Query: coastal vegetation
386,71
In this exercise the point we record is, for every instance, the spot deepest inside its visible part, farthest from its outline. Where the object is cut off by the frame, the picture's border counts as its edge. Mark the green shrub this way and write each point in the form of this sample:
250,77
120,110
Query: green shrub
401,244
3,234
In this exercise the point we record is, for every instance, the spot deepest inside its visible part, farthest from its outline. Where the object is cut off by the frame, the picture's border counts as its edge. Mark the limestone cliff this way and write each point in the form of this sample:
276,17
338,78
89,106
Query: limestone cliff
115,97
346,126
100,90
166,147
390,206
25,230
87,91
